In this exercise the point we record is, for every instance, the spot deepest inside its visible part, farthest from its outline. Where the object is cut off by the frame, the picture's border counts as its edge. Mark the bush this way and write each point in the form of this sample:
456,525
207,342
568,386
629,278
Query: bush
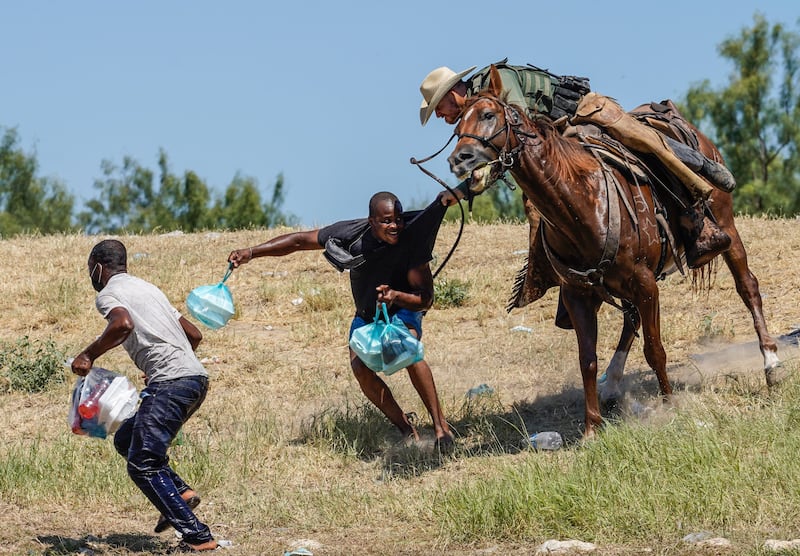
450,293
30,365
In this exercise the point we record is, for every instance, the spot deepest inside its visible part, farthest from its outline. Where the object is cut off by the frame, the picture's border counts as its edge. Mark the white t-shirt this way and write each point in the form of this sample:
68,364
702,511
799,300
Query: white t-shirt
158,344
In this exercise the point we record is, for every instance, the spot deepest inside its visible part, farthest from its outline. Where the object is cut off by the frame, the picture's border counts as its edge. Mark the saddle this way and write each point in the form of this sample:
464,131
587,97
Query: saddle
665,117
537,276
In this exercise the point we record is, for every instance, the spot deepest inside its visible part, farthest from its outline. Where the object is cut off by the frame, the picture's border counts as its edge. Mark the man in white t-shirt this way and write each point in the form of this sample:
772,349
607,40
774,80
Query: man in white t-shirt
161,343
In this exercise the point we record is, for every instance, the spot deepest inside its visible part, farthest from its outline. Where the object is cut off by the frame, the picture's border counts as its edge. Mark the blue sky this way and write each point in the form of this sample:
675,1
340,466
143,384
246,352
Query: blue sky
326,93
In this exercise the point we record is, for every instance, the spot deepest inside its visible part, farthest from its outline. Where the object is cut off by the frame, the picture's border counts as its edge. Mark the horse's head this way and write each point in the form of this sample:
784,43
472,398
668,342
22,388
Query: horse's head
486,144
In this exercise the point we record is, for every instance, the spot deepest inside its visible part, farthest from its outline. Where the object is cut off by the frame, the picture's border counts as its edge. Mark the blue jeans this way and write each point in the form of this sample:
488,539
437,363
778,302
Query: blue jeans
143,441
412,319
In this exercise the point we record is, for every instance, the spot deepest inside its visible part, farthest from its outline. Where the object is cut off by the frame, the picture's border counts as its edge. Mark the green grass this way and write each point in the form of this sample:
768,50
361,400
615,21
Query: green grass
708,468
286,448
28,365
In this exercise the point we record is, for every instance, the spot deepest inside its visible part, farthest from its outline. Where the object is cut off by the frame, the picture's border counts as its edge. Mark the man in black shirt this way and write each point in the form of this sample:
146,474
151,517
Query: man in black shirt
389,263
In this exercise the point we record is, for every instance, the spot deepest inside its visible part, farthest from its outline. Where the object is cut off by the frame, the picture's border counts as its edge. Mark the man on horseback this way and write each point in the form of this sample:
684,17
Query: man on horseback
568,99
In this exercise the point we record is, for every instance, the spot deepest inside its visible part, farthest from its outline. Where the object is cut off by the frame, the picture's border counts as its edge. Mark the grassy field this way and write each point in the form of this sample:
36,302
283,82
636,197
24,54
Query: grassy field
286,452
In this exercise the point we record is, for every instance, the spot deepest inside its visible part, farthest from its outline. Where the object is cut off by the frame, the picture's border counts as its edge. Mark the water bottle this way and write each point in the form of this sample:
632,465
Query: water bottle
548,440
90,407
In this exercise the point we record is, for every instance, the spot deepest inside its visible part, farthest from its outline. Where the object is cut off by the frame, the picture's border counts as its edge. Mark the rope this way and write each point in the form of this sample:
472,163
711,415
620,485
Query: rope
441,182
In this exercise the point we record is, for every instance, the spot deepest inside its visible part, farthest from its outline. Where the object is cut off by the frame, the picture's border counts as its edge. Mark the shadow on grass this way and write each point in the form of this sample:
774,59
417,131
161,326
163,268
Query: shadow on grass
483,426
361,431
110,544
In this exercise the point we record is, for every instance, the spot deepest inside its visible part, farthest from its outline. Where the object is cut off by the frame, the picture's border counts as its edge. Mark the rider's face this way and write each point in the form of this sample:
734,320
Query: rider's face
448,108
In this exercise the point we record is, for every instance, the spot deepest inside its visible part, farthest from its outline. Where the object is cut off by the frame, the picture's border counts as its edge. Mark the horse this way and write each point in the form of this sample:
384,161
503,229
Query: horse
607,236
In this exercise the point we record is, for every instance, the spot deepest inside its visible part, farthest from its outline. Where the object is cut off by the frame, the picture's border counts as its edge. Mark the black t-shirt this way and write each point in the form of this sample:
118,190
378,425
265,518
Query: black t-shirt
384,263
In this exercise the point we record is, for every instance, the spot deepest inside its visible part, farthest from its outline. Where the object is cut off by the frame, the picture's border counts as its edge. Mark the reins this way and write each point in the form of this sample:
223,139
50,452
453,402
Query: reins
504,157
418,164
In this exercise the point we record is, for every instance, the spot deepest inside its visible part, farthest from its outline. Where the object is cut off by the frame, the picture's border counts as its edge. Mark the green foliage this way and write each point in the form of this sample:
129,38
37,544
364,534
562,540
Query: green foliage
450,292
500,203
130,201
30,365
710,328
29,203
755,118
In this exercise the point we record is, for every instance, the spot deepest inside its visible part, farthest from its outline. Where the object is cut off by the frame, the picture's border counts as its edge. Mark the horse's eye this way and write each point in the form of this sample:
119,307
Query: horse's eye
488,116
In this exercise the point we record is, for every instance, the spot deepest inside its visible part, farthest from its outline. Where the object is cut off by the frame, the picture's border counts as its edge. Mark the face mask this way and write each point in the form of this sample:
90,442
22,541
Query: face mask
96,283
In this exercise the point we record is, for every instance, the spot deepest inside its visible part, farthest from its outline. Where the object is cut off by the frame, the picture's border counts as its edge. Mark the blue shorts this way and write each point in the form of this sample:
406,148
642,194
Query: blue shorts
412,319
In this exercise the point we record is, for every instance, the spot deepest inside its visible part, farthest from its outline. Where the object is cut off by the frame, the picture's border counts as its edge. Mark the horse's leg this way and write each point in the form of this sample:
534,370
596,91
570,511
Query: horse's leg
647,301
611,388
582,307
747,288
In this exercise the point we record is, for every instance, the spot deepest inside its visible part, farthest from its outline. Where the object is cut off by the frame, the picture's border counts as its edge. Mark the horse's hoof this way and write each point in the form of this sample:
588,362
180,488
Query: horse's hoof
776,374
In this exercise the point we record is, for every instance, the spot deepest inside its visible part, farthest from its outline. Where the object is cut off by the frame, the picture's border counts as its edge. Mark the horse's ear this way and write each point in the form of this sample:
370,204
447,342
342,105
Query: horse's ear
495,87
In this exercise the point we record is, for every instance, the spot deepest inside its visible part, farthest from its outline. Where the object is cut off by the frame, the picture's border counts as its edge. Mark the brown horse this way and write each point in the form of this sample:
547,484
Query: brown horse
602,233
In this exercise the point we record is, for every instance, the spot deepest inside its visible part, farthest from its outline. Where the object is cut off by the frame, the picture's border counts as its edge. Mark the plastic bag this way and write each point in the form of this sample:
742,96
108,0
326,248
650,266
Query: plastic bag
101,401
213,304
385,345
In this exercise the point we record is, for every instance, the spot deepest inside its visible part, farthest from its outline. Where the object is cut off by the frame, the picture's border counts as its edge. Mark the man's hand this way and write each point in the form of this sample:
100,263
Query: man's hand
448,199
82,364
386,295
240,256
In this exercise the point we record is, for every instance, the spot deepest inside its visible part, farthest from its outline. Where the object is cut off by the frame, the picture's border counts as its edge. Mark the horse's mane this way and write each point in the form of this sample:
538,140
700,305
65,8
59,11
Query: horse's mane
569,160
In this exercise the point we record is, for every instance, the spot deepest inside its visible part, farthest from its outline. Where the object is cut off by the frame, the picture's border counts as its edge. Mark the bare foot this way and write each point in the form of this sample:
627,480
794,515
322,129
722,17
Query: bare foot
202,547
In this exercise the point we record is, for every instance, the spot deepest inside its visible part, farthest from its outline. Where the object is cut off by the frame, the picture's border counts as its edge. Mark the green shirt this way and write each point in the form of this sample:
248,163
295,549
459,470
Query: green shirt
523,86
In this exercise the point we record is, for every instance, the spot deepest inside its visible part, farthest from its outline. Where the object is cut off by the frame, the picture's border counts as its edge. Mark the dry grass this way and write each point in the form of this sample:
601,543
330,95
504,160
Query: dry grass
264,450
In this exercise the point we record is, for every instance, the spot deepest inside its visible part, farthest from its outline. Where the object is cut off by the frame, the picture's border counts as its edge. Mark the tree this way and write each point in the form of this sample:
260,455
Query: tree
125,202
241,206
196,198
182,203
29,203
498,203
129,201
273,215
755,118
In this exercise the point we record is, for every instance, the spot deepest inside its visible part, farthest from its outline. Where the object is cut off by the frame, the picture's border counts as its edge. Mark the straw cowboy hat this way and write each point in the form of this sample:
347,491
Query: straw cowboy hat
435,85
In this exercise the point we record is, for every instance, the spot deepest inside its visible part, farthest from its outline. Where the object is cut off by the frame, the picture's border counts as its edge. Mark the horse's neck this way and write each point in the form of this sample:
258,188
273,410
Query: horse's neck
573,210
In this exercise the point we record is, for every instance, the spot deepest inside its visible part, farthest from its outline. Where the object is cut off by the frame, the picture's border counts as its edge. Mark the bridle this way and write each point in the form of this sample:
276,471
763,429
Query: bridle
505,157
511,126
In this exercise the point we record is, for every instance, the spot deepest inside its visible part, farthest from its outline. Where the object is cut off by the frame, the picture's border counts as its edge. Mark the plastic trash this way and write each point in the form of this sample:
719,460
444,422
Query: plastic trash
113,399
90,407
212,304
547,440
480,390
699,536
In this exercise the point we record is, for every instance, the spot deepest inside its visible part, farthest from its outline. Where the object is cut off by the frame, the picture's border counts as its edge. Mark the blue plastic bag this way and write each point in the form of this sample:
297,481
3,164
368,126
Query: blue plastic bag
385,345
213,304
